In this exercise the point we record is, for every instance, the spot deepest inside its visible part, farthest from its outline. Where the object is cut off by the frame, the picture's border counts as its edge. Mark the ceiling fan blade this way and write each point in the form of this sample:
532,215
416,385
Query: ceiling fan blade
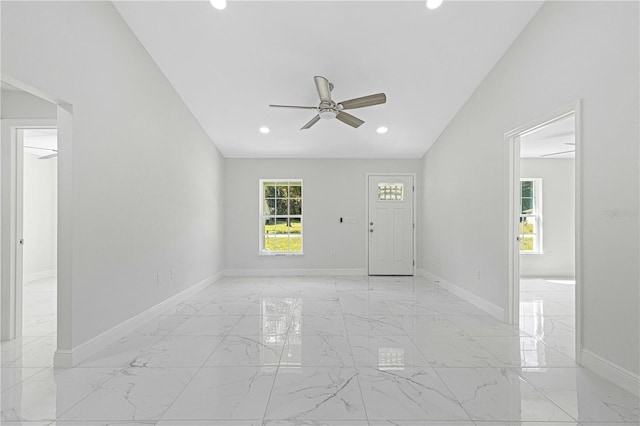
324,88
46,157
293,106
349,119
313,121
37,147
558,153
365,101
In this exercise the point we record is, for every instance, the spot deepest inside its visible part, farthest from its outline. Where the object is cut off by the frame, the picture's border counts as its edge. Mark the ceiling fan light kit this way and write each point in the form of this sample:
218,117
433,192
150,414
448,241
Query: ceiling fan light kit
328,109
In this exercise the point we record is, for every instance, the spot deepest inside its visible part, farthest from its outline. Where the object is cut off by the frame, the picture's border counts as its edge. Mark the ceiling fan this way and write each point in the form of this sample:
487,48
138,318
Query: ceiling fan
45,157
328,109
561,152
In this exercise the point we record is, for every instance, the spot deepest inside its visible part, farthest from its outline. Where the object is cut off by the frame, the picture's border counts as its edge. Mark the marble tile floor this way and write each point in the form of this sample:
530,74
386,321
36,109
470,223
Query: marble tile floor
547,312
39,307
348,351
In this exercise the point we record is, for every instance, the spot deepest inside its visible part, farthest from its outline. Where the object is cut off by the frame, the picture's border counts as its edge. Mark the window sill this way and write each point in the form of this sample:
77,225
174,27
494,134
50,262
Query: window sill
266,253
531,252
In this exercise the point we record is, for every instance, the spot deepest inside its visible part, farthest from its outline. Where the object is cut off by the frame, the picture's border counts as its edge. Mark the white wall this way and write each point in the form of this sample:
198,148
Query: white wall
145,182
558,235
39,217
569,51
331,189
19,104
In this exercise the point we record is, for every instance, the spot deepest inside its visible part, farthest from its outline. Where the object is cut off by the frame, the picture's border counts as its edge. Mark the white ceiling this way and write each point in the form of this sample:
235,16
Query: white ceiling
229,65
40,142
551,141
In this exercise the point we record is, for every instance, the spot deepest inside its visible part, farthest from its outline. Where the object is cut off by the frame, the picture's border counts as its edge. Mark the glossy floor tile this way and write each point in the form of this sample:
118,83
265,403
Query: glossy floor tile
333,351
39,307
547,313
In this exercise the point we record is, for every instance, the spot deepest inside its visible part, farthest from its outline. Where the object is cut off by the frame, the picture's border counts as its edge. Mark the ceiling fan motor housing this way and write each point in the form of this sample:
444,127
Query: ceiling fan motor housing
328,110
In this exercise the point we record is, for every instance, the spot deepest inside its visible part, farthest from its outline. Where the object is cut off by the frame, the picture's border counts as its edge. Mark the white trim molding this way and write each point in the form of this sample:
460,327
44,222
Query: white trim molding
276,272
11,276
619,375
511,256
488,307
71,358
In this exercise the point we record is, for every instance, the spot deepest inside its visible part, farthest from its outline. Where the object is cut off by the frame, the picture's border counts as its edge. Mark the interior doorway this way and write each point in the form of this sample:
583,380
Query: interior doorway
37,225
547,235
544,230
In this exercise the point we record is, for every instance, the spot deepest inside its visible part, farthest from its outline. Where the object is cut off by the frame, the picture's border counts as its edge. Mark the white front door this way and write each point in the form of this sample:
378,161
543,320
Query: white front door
390,225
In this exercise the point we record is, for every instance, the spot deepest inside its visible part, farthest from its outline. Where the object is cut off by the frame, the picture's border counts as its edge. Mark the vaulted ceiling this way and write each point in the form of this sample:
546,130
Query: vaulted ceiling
229,65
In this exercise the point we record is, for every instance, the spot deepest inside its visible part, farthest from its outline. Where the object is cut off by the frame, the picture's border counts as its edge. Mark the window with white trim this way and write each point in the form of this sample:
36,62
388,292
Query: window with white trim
280,216
530,227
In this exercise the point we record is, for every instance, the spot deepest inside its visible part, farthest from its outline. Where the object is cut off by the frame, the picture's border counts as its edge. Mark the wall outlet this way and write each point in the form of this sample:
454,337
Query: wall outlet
160,278
173,274
477,274
332,254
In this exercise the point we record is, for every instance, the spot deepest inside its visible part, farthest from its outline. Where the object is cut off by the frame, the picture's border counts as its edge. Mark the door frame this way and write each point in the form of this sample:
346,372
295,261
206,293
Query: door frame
12,205
512,177
366,218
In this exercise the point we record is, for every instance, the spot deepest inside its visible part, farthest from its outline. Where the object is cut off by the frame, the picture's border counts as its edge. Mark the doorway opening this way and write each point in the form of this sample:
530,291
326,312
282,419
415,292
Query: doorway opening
544,232
37,223
28,111
547,235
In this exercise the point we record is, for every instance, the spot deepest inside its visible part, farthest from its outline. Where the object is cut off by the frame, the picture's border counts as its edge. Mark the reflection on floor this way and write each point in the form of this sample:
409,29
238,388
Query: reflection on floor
349,351
39,308
547,312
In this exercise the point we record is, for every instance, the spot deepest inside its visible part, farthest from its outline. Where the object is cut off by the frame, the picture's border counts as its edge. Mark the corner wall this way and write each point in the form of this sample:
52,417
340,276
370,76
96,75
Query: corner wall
569,51
146,194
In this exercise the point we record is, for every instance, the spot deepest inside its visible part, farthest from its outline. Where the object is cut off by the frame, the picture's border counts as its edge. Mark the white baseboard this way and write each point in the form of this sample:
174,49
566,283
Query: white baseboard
39,275
611,371
549,276
292,272
70,358
475,300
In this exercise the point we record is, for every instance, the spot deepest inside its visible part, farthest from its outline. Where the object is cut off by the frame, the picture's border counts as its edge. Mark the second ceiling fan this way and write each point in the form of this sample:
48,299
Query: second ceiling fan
328,109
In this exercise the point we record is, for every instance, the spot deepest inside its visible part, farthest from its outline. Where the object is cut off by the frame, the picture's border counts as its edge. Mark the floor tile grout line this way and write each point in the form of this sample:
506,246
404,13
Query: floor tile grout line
40,370
116,371
453,395
543,393
441,379
275,375
353,358
199,368
197,371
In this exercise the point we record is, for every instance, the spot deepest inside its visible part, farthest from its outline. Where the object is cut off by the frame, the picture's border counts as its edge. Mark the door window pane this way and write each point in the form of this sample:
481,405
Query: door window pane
390,191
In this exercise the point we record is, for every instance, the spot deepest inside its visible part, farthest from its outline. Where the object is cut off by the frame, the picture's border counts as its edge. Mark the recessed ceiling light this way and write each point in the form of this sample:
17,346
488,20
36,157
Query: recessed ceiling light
264,130
434,4
219,4
382,130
